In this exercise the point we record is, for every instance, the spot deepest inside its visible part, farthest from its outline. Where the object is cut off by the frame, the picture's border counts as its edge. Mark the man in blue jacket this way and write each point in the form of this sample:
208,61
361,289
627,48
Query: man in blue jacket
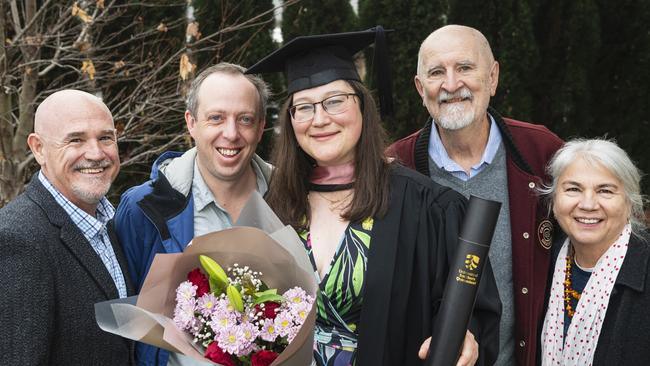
204,189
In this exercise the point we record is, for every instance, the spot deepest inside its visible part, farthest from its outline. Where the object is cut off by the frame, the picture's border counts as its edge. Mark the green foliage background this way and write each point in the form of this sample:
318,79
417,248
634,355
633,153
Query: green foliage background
580,67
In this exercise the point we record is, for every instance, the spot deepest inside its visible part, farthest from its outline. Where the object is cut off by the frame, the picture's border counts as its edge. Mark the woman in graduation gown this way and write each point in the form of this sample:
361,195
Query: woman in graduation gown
379,235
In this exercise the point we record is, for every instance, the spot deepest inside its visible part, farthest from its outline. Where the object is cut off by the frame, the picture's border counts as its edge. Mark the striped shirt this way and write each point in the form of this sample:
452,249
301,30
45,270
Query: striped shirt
94,229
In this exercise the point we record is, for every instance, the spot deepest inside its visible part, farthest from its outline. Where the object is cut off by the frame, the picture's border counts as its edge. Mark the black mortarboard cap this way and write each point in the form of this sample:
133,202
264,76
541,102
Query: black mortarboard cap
311,61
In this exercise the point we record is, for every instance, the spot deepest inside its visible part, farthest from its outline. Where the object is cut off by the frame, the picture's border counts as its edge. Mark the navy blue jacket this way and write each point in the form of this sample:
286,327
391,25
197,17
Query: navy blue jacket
158,217
153,218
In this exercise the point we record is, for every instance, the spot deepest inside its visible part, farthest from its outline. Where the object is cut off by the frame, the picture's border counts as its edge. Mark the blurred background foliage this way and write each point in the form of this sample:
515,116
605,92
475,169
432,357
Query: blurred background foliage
581,67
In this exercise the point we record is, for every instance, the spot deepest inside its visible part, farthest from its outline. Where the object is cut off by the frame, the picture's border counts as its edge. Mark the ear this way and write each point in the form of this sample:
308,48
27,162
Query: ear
494,78
35,144
190,122
419,86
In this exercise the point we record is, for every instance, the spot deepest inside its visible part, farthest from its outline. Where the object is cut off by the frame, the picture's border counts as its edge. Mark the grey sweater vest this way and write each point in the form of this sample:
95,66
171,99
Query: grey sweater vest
492,183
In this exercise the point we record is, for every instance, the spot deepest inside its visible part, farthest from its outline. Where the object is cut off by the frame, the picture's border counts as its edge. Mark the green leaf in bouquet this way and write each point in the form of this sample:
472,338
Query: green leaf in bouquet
269,291
269,297
235,298
215,288
215,272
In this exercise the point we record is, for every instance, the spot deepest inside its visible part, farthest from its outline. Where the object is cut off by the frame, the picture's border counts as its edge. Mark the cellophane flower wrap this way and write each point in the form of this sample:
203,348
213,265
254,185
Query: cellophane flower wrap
235,316
240,296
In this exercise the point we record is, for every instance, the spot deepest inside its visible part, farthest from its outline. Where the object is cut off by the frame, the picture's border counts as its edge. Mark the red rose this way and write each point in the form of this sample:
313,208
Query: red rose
269,309
263,358
216,354
199,280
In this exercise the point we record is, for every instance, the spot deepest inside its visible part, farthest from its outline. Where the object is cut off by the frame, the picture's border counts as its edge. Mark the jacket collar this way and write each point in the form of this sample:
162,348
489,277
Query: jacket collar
171,176
72,238
635,265
162,204
179,170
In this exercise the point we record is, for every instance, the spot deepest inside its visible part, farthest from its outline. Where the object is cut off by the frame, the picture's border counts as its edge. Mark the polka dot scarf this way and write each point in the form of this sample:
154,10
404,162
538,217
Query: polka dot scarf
582,336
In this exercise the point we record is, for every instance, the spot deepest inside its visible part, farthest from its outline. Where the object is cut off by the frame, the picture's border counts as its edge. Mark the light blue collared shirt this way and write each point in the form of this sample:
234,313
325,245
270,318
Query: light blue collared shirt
94,230
209,216
440,157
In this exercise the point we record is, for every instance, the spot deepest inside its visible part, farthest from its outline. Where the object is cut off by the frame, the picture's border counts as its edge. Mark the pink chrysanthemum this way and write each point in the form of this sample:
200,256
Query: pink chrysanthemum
297,297
185,291
299,311
222,319
230,339
184,314
207,304
283,323
268,331
248,333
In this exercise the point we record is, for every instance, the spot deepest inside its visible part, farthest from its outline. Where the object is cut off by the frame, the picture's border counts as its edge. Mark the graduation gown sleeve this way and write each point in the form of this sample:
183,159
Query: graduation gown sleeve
407,270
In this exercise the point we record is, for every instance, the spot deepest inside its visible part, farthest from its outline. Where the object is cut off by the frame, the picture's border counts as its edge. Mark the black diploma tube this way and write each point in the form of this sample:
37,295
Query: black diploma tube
463,280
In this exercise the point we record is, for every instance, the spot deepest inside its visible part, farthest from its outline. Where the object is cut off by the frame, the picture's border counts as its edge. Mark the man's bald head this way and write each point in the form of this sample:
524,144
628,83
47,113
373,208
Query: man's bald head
65,105
456,77
75,143
463,36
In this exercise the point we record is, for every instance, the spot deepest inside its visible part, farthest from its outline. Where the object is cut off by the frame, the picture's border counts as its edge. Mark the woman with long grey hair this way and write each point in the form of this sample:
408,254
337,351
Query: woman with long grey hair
599,295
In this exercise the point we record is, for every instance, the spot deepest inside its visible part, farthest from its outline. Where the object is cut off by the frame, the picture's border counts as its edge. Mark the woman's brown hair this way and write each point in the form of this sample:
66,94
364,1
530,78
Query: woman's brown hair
289,184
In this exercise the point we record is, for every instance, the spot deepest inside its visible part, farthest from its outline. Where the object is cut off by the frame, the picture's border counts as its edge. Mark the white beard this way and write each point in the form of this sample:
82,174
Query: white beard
92,195
455,116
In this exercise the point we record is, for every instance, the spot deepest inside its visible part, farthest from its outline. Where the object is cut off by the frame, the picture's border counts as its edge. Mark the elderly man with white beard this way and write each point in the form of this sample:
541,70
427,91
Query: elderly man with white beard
468,146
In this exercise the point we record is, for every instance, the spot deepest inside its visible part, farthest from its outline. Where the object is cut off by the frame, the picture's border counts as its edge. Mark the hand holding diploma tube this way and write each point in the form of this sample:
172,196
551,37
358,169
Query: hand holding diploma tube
464,277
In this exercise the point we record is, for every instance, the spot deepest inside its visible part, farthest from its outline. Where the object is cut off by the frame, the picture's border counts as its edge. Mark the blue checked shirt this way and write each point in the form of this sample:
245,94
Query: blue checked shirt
94,229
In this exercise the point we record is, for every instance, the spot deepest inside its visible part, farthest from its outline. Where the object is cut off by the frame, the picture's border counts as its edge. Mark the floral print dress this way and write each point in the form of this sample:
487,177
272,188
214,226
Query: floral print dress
340,295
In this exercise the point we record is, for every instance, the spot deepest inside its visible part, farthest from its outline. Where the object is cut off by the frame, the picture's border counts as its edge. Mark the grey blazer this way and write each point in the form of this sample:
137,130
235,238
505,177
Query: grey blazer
50,279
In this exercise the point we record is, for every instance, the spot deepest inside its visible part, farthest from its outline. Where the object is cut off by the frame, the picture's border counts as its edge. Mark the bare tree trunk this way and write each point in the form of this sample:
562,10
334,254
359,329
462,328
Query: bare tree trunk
110,48
8,184
11,182
15,156
27,96
6,129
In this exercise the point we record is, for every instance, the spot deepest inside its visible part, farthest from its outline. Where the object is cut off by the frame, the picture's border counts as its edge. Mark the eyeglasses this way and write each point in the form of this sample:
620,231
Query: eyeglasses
335,104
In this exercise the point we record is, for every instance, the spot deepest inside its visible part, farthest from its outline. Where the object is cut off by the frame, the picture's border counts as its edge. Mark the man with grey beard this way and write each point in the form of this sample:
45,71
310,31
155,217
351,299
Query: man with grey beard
468,146
58,255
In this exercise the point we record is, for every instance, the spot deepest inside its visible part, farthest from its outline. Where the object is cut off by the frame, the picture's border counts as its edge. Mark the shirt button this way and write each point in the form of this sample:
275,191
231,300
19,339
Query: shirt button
524,290
526,235
522,343
531,185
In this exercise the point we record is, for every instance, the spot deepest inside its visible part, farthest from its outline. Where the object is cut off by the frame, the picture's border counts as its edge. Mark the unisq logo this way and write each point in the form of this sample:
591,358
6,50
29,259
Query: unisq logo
472,261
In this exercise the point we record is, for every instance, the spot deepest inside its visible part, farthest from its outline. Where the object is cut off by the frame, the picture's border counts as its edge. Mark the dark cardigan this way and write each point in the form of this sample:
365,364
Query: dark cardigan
528,149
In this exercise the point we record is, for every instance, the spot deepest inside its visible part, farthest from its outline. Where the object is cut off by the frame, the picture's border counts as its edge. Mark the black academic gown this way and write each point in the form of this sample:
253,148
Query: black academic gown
408,265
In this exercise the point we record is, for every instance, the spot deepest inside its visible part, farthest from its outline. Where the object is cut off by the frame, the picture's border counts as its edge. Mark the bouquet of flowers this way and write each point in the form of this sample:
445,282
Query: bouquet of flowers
235,316
258,311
